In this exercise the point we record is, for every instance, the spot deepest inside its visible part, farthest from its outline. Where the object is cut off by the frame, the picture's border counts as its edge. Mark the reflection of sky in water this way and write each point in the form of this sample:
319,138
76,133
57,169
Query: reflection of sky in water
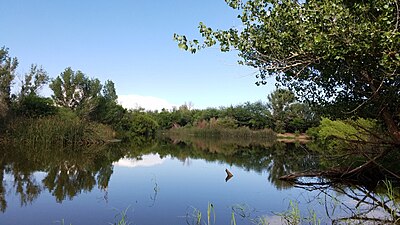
163,191
144,161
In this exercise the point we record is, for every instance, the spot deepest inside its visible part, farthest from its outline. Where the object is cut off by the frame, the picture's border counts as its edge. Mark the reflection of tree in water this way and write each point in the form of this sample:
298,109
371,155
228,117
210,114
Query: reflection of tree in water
3,202
68,171
276,158
288,158
356,204
26,187
64,181
344,203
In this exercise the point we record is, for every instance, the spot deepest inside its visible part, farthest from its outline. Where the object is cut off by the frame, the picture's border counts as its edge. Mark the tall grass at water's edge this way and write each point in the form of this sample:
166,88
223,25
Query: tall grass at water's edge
58,131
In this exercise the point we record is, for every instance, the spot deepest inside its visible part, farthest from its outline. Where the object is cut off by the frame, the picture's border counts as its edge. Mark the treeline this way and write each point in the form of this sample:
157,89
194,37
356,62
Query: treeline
281,113
80,110
85,110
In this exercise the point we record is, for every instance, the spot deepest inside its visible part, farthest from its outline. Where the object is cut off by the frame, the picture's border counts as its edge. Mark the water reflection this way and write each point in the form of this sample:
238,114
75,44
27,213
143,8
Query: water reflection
275,158
71,171
65,173
143,161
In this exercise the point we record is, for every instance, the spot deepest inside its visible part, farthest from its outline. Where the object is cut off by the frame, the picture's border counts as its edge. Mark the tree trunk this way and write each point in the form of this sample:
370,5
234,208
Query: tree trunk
385,114
391,124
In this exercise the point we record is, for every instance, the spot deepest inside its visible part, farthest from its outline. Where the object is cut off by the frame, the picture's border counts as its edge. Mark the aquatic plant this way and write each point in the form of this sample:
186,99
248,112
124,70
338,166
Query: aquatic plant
123,218
54,130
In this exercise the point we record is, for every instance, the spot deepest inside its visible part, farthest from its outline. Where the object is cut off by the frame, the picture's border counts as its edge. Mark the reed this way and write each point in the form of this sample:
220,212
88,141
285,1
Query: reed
54,130
233,220
210,209
123,218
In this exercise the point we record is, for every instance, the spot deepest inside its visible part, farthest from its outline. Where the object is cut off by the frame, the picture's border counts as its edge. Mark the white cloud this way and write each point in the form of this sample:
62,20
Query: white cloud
145,161
146,102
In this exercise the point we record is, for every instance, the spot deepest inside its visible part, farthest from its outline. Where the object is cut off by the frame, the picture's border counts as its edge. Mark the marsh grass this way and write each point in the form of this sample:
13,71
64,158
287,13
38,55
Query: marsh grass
196,216
123,218
210,209
233,219
390,201
292,215
54,130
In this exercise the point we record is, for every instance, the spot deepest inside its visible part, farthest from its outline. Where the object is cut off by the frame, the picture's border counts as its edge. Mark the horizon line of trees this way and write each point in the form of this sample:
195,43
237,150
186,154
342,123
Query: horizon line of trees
281,113
75,95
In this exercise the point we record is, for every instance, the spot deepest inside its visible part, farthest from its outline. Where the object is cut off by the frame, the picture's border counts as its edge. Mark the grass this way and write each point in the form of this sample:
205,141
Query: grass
54,130
123,218
389,202
291,216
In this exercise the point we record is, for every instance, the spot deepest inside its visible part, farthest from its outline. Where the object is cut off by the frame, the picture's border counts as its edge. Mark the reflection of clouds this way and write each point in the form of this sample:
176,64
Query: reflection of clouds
145,161
271,219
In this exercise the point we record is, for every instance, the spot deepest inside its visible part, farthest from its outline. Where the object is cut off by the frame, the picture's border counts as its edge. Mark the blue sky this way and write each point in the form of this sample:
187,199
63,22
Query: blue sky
130,42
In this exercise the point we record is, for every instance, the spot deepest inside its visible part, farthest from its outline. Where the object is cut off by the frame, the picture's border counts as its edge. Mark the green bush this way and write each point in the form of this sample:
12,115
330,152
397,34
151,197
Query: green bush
34,106
142,124
226,122
336,135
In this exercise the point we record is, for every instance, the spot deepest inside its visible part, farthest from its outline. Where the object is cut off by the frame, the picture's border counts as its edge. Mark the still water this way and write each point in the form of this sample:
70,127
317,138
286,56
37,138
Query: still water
162,182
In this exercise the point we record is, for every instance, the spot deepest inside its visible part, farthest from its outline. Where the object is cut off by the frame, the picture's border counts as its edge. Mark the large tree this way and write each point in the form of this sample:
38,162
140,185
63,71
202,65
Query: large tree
344,53
33,81
7,74
279,103
28,103
75,90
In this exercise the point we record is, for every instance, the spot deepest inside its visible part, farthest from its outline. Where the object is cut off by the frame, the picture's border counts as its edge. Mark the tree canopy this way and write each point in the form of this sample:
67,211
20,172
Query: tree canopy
336,53
72,89
7,74
33,81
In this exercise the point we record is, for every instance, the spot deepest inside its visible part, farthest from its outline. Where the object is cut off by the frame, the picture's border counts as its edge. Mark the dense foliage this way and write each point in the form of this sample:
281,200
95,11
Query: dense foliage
343,55
81,109
7,74
280,113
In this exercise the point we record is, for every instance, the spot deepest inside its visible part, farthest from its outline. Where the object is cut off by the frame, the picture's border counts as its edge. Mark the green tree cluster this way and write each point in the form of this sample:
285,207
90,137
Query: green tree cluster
281,113
90,100
75,97
289,115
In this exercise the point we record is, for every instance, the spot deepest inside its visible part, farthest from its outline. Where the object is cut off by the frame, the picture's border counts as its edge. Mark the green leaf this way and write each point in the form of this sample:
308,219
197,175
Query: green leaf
183,46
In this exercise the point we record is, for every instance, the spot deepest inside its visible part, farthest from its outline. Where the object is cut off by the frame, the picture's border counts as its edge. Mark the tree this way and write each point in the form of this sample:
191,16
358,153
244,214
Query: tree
76,91
7,74
109,92
337,52
142,124
108,111
253,115
28,103
33,81
279,103
288,114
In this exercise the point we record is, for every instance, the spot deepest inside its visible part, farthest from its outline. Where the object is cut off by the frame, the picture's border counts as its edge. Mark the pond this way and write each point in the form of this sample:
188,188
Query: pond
172,182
